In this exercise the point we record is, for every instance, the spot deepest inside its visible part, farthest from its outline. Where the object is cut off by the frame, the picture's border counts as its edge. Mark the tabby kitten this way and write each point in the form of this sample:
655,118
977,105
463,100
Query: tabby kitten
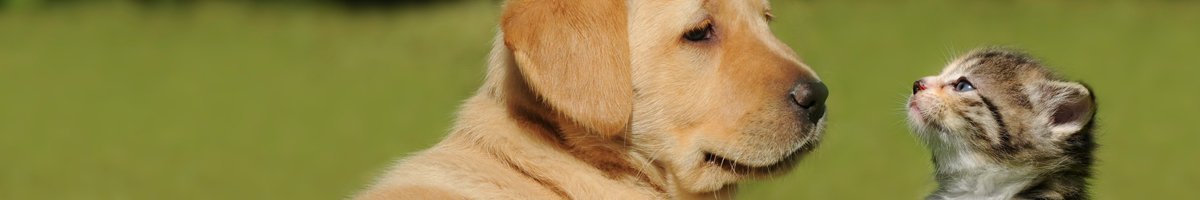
1002,126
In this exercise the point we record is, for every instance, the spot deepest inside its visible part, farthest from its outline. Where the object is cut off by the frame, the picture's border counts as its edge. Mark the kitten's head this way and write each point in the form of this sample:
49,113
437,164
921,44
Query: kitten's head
1005,105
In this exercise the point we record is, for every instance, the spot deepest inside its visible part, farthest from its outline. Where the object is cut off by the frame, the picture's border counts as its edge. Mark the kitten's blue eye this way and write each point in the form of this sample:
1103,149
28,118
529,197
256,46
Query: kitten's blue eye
964,85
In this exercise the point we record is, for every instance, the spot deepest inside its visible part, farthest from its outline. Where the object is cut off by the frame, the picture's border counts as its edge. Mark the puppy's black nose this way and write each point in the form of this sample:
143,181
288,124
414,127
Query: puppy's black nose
811,97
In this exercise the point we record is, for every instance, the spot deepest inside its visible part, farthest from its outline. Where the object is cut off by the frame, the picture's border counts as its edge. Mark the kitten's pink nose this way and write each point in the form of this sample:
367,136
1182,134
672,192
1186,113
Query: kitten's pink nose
919,85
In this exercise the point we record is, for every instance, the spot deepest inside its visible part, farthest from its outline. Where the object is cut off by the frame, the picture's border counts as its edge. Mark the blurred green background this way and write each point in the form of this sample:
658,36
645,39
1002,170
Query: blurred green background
312,99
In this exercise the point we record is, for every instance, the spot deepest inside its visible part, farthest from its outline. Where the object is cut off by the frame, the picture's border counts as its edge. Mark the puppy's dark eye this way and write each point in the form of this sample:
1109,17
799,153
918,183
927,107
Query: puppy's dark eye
963,85
699,34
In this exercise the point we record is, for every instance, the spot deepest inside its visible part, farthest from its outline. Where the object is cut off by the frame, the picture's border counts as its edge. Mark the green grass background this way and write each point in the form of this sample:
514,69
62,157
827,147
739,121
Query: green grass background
226,100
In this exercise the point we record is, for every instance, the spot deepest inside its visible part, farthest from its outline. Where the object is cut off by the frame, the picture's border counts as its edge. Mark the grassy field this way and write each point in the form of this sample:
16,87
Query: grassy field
277,101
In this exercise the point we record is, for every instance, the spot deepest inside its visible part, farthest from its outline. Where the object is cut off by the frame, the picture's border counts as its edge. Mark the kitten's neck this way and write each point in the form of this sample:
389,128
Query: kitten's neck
968,175
965,174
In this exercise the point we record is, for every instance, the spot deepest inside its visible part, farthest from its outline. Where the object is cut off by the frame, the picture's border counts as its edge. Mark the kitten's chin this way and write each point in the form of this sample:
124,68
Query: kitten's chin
916,118
914,114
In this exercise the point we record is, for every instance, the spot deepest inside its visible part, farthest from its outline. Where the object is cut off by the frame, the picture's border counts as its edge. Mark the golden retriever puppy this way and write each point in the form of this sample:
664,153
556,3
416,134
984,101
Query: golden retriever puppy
616,99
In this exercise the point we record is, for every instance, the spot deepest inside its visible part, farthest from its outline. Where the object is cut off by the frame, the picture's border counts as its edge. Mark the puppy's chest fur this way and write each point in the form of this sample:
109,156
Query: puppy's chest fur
1013,134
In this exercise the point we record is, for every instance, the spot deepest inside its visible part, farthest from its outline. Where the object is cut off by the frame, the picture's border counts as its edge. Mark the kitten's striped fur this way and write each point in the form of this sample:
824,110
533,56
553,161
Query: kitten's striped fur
1019,132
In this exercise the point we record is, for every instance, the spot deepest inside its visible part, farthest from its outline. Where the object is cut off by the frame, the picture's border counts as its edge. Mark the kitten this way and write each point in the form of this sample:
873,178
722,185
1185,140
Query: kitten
1002,126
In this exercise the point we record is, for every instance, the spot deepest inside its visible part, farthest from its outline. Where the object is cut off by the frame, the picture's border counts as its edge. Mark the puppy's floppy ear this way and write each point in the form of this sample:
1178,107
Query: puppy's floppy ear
575,55
1070,107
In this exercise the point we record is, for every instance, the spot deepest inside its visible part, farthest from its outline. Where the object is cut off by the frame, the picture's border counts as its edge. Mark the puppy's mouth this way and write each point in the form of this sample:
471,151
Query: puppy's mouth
783,165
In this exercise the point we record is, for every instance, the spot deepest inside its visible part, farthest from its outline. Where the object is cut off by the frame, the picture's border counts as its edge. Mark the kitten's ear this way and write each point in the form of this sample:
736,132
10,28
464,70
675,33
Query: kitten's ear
1070,107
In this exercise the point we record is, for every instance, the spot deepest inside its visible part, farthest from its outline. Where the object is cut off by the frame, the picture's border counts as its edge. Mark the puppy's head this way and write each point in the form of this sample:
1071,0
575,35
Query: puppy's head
712,96
717,98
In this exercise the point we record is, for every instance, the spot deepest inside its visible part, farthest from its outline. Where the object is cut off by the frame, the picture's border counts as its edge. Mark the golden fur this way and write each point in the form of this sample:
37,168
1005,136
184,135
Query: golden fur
605,100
